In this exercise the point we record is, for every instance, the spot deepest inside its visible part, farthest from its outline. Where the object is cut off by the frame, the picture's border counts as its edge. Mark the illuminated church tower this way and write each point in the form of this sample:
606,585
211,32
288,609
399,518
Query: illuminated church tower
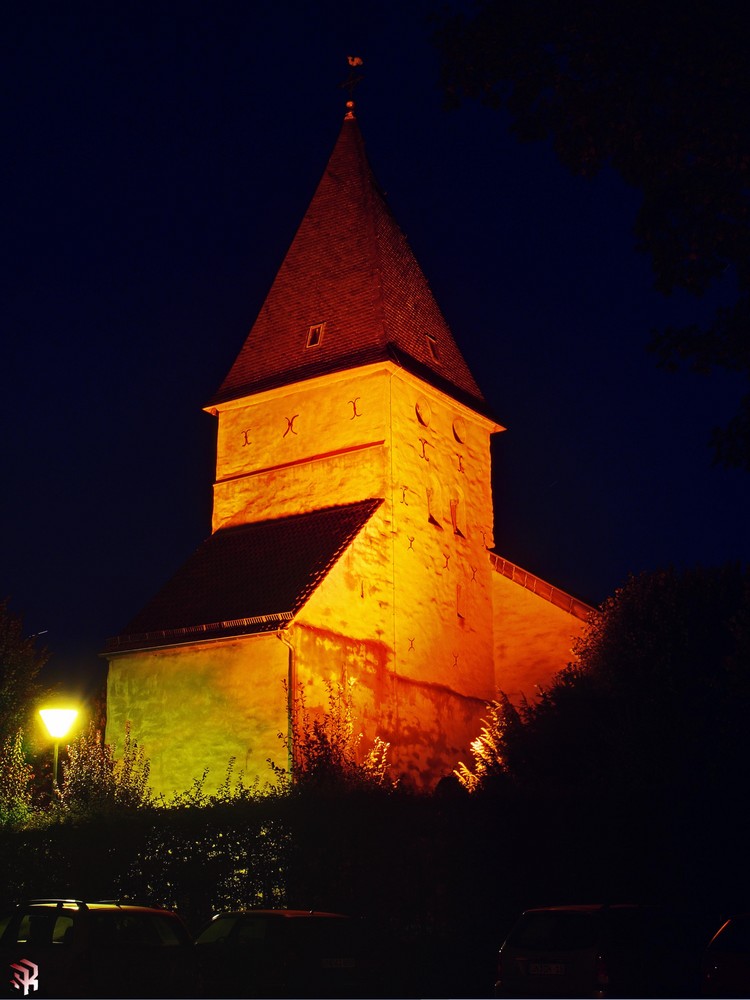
352,526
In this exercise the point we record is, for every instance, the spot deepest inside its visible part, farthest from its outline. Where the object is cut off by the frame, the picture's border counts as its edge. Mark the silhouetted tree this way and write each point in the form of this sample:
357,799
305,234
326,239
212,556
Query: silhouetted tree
658,697
16,776
20,664
660,91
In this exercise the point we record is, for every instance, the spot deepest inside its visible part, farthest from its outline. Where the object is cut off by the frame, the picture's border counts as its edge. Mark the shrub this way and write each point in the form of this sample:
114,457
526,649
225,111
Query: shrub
490,749
93,781
327,752
16,777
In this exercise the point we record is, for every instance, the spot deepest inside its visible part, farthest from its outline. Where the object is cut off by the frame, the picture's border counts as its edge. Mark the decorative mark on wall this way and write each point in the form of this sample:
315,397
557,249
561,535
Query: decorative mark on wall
424,442
356,412
447,558
290,425
455,659
473,573
411,645
484,538
423,411
247,438
460,462
404,491
411,541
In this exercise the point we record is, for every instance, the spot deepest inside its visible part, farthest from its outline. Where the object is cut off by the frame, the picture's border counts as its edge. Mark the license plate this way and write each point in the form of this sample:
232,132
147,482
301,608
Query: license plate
546,969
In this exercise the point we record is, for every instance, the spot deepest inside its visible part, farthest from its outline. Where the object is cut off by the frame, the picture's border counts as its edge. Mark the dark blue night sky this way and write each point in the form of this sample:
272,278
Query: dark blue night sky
158,158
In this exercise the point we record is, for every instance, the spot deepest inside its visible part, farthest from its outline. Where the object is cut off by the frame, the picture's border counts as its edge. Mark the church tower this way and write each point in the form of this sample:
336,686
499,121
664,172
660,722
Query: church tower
352,526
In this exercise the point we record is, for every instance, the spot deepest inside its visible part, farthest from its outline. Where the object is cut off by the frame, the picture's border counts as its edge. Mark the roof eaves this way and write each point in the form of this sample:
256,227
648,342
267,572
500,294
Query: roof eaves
427,374
560,598
301,373
199,633
390,352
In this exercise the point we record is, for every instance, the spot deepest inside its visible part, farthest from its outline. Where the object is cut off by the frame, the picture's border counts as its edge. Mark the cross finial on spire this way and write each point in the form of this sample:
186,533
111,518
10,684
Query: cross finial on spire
351,83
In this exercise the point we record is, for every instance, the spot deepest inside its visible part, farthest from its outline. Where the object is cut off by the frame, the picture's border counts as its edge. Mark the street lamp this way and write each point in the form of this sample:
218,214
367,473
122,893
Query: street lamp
58,722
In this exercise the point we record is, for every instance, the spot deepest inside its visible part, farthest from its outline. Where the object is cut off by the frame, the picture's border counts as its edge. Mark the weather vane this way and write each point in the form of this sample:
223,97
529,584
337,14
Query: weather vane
350,83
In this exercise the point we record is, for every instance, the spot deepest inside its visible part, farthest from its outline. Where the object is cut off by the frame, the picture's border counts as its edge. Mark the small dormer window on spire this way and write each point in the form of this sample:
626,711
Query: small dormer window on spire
315,335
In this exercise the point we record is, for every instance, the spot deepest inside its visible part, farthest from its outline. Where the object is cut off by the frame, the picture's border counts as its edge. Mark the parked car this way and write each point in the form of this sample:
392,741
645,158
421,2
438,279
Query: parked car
71,948
726,963
601,951
285,953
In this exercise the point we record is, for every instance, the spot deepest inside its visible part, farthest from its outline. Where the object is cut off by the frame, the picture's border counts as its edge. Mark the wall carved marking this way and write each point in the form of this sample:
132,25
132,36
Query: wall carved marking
290,425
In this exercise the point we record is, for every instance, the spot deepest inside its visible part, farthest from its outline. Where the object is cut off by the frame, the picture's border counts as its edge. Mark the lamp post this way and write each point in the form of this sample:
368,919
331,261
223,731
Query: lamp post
58,722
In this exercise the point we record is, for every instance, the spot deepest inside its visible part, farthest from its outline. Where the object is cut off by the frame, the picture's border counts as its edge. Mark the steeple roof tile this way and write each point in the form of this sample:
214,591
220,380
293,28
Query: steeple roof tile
246,579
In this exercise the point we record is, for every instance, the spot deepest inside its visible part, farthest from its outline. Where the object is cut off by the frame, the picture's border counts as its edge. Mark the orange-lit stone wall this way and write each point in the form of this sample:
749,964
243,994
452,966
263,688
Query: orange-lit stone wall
427,726
413,612
303,447
533,639
407,610
196,706
442,524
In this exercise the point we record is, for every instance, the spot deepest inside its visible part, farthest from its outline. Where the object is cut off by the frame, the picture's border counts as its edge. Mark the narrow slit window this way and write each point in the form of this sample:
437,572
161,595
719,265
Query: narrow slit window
315,335
431,507
456,518
432,344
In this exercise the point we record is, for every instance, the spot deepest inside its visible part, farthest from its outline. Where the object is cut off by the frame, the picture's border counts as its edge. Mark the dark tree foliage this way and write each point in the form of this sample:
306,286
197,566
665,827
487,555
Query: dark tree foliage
16,778
660,91
20,664
658,698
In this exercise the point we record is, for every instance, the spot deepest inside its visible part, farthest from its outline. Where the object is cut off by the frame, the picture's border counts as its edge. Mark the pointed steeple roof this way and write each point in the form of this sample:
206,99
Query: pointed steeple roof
350,271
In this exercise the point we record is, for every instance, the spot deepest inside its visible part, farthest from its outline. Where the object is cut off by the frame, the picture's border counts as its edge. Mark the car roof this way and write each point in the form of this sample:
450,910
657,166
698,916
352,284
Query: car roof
282,914
585,908
98,905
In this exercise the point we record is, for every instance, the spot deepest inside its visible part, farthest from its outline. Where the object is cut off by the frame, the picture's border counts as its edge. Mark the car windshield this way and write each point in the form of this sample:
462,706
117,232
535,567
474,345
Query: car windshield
43,927
122,929
325,934
552,930
219,930
246,929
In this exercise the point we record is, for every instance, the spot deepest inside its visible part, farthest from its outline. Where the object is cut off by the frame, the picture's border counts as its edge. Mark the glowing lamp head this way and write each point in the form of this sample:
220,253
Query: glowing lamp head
58,720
